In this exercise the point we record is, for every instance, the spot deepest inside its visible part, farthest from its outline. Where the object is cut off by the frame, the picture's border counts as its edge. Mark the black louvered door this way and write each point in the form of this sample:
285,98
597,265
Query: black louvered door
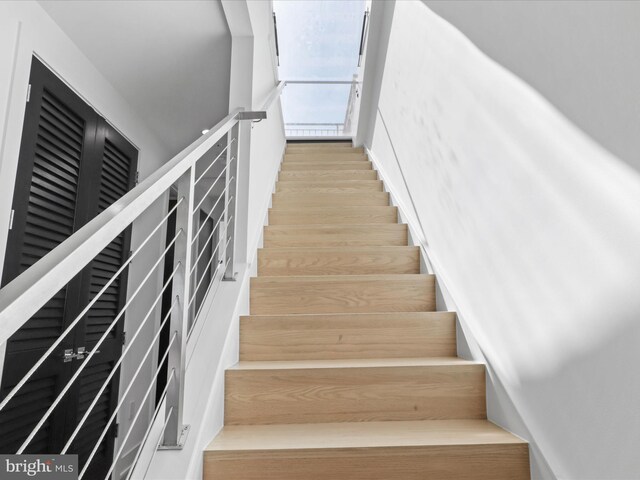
117,176
72,166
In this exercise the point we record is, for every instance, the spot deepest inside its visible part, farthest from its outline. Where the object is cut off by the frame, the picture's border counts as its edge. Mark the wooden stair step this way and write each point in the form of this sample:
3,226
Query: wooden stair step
341,336
360,390
298,200
335,160
324,156
306,146
335,235
326,175
333,215
338,260
330,186
409,450
288,166
342,294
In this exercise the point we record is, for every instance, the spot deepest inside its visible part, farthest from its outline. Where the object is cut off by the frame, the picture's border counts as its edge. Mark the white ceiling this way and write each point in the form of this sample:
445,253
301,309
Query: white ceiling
169,59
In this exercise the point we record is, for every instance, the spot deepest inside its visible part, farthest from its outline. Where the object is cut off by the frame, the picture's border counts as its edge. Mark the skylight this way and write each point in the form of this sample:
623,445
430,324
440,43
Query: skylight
318,40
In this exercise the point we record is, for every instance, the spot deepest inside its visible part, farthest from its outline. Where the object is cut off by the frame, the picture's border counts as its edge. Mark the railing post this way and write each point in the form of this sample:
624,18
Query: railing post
175,431
230,202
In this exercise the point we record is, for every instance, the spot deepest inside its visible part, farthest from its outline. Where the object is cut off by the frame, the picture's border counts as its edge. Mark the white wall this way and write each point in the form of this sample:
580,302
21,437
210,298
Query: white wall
25,29
581,55
268,140
169,59
533,231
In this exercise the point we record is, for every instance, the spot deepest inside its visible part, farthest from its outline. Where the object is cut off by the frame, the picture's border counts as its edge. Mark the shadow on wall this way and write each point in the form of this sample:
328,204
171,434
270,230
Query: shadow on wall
534,230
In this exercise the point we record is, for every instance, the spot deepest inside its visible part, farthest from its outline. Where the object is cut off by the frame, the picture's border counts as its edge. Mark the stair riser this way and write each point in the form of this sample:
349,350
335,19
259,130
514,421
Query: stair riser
334,216
446,462
324,157
329,187
333,166
323,146
300,200
327,337
338,261
365,235
327,175
356,394
358,294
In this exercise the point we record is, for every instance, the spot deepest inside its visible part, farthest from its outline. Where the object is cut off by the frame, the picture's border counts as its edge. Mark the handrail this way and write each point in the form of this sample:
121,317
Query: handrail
273,96
29,292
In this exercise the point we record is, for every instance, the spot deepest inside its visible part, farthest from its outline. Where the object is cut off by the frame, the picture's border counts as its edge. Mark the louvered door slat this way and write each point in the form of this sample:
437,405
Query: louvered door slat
114,183
49,150
59,174
91,380
59,127
60,111
23,412
55,206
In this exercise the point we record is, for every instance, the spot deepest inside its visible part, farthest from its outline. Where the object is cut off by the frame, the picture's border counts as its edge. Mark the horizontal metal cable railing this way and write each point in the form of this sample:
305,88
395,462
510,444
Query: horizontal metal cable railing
338,97
200,251
314,129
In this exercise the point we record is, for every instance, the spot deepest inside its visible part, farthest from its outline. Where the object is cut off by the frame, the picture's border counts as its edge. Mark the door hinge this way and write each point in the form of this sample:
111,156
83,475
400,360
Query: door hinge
117,429
124,337
11,219
137,178
28,93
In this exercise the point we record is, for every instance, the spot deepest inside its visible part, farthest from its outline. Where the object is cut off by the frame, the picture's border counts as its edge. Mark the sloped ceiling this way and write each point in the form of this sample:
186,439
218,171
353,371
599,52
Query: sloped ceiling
169,59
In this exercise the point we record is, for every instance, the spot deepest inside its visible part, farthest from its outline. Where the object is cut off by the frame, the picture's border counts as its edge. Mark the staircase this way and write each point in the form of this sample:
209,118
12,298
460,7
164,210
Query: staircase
346,370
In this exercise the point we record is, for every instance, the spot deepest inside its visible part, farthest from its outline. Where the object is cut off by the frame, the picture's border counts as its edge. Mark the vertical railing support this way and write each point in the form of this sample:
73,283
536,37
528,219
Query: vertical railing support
175,431
230,202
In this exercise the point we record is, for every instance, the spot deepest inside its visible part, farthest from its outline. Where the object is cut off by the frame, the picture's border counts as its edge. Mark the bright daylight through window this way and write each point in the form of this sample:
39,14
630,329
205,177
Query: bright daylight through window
320,43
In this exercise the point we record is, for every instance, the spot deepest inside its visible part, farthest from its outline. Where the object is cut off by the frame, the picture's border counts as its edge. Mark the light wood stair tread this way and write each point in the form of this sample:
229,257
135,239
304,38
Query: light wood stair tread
309,185
371,316
356,335
344,336
361,435
338,160
322,144
338,260
338,209
333,216
324,155
326,166
354,390
336,235
328,279
302,200
353,363
326,175
342,294
329,187
346,249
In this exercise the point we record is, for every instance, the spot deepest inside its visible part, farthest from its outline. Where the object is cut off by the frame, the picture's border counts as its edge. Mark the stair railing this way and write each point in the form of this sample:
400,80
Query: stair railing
324,130
215,155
